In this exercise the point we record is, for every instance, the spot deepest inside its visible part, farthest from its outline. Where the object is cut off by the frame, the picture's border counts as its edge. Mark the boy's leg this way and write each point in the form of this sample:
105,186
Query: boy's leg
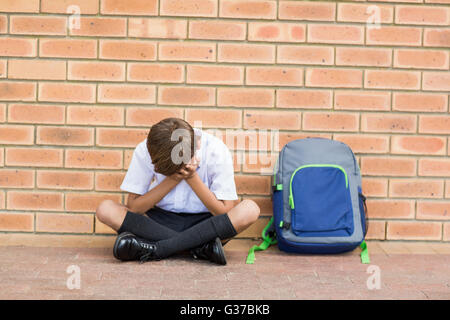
223,226
119,218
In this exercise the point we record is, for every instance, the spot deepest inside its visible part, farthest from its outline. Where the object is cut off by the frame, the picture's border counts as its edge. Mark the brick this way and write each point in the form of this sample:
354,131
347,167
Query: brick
187,51
93,159
434,124
38,25
2,157
416,188
447,189
96,71
274,76
100,27
421,59
246,53
438,37
213,118
436,81
88,202
413,230
348,56
95,115
434,167
336,34
376,231
365,143
384,166
423,15
29,113
3,68
72,180
204,74
17,222
431,210
101,228
63,6
15,134
330,121
31,200
67,48
307,10
405,80
327,77
362,100
259,162
115,137
17,91
419,102
34,157
248,9
418,145
276,32
15,178
157,28
2,112
378,122
191,8
391,209
166,73
147,117
108,181
305,55
64,222
69,136
394,36
252,185
305,99
3,24
128,154
127,50
15,6
17,47
247,140
36,69
353,12
121,93
66,92
198,96
129,7
245,97
374,187
288,120
217,30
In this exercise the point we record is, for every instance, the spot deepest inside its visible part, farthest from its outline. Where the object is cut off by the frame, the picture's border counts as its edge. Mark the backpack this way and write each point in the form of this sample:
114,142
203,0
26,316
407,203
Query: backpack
318,205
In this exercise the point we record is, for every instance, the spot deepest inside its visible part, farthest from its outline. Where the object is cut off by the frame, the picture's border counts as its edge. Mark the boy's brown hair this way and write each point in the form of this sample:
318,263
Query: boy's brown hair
167,148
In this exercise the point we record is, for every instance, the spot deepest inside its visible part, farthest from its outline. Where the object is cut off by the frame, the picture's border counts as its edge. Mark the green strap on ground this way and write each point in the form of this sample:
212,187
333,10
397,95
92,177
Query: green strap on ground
364,253
267,242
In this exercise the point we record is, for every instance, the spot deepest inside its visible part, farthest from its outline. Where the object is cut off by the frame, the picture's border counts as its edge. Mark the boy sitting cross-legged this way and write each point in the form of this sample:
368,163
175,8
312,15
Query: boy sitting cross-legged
181,195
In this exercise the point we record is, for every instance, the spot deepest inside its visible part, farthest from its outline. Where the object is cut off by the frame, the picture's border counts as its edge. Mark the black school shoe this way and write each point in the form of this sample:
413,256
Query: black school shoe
129,247
212,251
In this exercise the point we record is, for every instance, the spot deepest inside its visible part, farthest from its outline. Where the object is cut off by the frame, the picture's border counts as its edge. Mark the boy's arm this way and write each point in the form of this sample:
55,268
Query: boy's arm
208,198
142,203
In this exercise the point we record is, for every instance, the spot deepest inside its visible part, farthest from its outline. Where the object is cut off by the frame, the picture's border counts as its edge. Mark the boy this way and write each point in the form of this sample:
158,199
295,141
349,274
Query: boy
181,195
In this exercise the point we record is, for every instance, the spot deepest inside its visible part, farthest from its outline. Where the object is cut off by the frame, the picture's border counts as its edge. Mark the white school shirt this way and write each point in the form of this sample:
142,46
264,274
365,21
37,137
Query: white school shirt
215,170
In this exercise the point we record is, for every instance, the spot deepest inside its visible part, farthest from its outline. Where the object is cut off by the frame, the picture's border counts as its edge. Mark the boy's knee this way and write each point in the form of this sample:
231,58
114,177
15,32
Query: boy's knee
104,210
251,210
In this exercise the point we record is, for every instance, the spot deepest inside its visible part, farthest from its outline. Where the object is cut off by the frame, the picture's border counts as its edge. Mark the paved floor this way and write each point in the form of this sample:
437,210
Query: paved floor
45,273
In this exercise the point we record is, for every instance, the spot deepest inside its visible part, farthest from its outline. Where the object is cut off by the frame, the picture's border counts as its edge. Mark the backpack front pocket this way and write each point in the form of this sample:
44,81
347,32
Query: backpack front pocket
320,201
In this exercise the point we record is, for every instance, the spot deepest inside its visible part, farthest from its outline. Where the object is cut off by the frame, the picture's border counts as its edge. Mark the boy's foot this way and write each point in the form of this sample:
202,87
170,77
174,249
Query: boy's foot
212,251
129,247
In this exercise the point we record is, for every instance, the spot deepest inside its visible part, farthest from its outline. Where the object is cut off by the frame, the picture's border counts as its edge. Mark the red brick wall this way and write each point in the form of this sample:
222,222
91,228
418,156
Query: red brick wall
75,102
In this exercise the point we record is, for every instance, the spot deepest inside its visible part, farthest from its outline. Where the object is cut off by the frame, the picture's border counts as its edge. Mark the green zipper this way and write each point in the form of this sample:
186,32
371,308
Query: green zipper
291,197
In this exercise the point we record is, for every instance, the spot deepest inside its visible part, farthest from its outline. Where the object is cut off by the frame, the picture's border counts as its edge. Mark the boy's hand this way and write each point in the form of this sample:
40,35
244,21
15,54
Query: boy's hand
189,169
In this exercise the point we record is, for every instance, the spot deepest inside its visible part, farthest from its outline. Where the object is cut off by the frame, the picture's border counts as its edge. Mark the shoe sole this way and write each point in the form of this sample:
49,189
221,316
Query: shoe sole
119,237
222,260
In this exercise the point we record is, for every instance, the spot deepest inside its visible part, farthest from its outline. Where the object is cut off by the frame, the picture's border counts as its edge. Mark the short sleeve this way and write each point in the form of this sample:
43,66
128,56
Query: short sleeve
140,172
221,173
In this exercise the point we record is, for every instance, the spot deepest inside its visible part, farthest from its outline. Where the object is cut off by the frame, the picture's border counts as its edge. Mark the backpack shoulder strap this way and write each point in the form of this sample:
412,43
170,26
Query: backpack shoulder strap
269,238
